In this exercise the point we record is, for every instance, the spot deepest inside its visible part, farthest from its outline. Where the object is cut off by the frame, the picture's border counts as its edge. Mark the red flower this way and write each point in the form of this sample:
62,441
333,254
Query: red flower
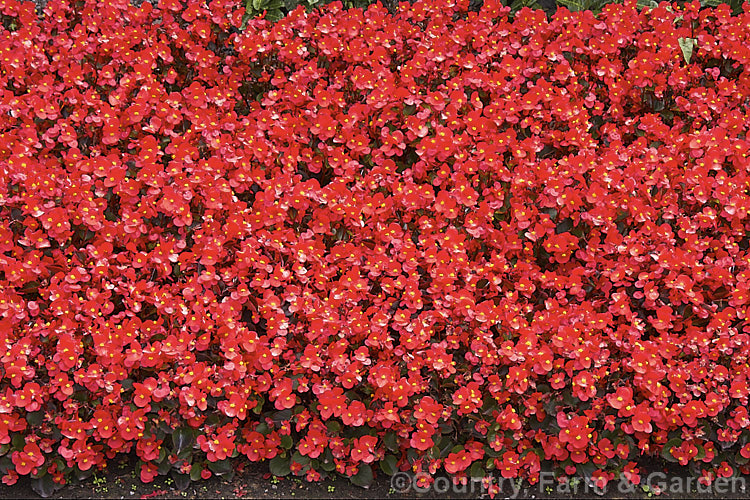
422,440
468,399
429,410
685,452
363,449
510,464
332,403
355,414
283,396
576,432
457,462
641,419
28,460
148,472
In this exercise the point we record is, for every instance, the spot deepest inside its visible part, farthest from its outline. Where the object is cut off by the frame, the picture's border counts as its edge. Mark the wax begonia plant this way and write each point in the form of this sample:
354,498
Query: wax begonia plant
350,241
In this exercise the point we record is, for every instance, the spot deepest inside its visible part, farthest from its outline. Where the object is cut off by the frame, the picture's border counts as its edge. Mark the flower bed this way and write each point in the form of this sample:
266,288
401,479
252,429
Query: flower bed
440,239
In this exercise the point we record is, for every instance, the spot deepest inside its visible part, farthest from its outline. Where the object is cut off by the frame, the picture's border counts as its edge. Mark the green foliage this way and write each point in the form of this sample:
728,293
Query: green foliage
735,5
354,4
279,466
272,8
647,4
277,9
595,6
389,465
364,477
687,45
516,5
44,485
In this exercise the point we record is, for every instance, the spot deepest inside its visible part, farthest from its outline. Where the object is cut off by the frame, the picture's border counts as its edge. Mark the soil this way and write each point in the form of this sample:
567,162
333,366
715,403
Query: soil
121,481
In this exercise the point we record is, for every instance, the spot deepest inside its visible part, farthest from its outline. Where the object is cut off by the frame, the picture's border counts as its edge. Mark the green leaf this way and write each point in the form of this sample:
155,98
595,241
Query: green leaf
257,409
687,45
274,15
301,459
572,5
181,481
586,470
520,4
182,440
391,441
326,461
44,486
282,416
212,419
35,418
18,441
245,18
221,468
477,470
564,226
665,452
446,449
259,5
83,475
286,442
551,212
195,472
279,466
389,465
164,466
364,477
